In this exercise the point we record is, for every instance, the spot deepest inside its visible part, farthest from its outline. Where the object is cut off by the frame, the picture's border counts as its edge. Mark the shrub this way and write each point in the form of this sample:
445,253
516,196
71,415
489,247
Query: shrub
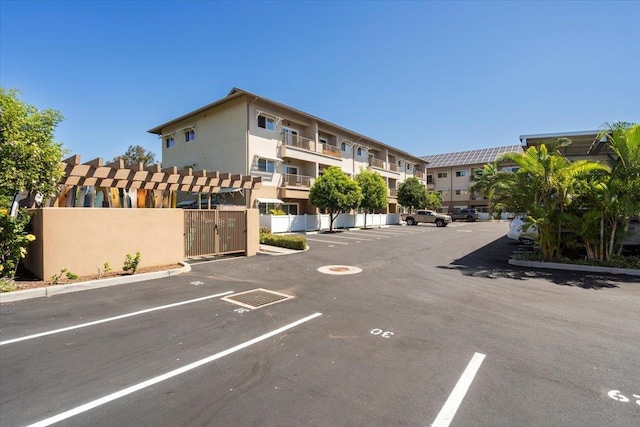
7,285
284,241
131,263
69,275
14,239
277,212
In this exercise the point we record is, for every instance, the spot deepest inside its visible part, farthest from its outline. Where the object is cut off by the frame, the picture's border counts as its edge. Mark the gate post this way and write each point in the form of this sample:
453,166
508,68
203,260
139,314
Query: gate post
252,232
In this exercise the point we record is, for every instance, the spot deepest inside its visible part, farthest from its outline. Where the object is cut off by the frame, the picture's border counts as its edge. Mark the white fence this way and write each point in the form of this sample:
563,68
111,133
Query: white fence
289,223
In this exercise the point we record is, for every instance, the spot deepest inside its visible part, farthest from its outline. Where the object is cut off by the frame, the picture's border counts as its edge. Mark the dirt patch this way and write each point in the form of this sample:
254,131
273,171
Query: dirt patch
25,280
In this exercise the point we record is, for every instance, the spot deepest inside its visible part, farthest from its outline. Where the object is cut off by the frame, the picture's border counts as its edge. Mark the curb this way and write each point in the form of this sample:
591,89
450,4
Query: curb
277,251
91,284
575,267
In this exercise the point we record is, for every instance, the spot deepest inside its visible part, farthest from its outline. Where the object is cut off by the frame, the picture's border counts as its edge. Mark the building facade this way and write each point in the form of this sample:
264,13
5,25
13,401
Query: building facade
451,175
247,134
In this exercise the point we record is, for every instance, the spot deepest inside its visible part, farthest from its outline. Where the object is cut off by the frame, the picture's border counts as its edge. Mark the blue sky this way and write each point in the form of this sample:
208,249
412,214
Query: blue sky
426,77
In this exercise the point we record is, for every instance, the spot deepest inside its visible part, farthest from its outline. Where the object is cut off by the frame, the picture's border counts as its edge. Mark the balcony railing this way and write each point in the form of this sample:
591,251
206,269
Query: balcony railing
299,181
298,142
419,174
330,150
393,192
376,163
393,167
308,144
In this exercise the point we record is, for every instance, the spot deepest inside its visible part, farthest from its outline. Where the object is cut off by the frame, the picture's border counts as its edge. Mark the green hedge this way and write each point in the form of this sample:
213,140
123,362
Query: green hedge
284,241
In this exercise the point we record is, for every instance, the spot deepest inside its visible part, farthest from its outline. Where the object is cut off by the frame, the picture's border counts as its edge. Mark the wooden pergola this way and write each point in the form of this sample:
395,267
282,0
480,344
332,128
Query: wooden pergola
118,175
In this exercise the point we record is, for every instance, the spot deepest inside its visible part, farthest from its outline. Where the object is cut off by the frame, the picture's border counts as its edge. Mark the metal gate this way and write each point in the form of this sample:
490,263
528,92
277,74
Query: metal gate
214,232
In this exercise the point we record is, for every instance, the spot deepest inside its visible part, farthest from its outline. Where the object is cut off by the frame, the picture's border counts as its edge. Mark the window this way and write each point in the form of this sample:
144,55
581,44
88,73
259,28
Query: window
345,147
323,140
266,208
290,136
292,170
267,123
290,208
170,142
189,135
360,152
265,165
511,169
409,166
442,174
429,179
461,173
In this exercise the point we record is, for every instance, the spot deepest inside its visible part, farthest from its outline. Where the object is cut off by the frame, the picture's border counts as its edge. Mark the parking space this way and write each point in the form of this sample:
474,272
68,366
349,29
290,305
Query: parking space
402,332
346,237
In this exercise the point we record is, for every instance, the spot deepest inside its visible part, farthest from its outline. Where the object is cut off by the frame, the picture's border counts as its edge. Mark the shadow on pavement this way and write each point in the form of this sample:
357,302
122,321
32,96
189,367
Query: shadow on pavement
491,261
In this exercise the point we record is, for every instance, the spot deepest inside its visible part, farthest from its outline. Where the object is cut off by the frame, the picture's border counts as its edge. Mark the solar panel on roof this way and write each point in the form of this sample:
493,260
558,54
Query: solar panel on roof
469,157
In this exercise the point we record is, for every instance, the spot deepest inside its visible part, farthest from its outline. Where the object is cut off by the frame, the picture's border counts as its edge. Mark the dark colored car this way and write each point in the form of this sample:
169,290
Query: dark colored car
465,214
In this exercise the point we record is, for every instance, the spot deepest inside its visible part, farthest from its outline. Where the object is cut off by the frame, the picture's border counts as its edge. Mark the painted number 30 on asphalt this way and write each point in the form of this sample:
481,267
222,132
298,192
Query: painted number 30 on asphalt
383,334
617,395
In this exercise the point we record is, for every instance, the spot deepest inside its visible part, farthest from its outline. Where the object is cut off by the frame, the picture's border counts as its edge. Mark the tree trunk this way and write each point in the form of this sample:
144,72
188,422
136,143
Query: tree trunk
332,218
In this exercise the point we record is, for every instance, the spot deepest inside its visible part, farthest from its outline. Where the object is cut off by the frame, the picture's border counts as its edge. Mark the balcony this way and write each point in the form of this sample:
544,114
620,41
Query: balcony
376,163
296,181
330,150
298,141
306,149
295,186
419,174
393,167
393,193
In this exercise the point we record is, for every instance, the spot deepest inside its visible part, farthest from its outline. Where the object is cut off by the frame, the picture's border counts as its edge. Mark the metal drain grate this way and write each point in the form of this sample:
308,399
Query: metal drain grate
257,298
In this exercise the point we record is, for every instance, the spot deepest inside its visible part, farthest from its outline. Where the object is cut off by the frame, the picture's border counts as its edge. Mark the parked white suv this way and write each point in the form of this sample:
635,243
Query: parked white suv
517,232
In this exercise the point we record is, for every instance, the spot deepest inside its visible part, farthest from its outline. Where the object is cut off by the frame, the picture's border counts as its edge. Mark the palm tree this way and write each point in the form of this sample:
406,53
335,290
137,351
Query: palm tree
624,181
544,188
484,182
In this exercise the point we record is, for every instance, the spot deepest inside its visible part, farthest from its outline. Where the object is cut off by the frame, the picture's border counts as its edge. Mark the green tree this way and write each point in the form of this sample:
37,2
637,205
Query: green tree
621,192
374,192
335,192
545,187
484,182
412,194
433,200
137,154
30,160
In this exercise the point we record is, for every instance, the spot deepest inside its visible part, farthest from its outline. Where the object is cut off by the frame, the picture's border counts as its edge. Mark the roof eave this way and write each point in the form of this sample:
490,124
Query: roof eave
235,93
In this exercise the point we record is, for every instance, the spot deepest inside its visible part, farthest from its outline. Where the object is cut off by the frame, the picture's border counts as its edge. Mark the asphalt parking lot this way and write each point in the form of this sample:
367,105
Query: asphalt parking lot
406,326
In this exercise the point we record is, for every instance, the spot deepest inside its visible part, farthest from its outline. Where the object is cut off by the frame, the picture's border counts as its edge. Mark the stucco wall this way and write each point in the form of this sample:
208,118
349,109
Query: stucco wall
220,144
80,239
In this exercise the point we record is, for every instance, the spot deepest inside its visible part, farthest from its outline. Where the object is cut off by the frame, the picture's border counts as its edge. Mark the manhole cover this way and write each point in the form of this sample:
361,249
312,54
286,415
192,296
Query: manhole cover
256,298
339,269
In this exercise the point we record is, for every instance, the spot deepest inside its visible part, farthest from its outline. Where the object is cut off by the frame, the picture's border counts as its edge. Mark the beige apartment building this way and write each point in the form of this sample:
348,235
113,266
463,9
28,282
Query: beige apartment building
289,149
450,174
